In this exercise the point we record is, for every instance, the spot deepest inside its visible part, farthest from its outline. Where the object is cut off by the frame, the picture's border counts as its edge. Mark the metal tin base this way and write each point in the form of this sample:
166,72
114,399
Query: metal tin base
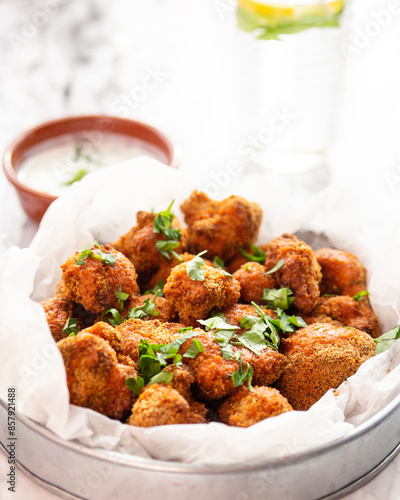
73,471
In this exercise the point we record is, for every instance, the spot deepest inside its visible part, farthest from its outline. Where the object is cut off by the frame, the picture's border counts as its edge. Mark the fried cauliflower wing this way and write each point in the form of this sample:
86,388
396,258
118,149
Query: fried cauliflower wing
220,227
95,379
300,271
246,408
94,282
345,311
139,246
159,404
342,272
253,280
321,357
194,299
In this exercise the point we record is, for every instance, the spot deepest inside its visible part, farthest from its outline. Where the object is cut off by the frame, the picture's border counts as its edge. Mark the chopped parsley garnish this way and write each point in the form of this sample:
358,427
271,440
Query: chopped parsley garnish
257,256
121,297
158,288
147,309
195,266
240,376
218,262
276,267
153,358
163,225
116,319
278,298
70,327
95,253
167,247
386,340
358,296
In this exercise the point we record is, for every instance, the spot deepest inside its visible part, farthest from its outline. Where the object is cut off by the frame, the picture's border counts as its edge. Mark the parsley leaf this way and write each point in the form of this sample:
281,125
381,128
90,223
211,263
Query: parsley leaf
95,253
168,246
158,288
358,296
386,340
240,376
257,256
218,262
278,298
147,309
194,267
276,267
134,384
121,297
194,349
70,327
161,378
116,319
162,224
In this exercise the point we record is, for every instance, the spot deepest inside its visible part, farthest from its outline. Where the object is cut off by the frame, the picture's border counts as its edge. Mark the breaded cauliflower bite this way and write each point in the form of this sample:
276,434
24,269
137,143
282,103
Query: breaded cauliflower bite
238,311
159,404
253,280
220,227
300,271
94,281
347,312
139,246
321,357
195,299
95,379
342,272
246,408
57,312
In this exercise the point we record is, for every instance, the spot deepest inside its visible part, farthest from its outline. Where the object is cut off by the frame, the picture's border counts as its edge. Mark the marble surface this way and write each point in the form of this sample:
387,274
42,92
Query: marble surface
62,57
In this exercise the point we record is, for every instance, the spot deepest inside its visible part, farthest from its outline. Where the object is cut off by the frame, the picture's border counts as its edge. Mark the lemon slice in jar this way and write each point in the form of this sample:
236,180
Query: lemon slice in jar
272,19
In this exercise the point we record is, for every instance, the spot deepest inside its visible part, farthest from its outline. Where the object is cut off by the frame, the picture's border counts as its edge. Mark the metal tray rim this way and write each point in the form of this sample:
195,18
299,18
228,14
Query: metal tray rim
135,461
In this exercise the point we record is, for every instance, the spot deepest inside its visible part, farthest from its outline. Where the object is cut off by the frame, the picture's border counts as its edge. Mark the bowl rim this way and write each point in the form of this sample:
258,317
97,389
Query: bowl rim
171,151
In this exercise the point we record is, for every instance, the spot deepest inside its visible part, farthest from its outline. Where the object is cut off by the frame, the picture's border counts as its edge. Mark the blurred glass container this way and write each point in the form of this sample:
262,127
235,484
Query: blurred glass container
295,68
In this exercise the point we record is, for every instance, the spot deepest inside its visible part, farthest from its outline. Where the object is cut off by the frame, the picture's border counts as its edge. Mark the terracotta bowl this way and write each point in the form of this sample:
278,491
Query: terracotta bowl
36,203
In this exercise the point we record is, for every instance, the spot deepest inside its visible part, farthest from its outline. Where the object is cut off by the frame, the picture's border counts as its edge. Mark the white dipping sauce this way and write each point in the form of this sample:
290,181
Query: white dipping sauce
57,163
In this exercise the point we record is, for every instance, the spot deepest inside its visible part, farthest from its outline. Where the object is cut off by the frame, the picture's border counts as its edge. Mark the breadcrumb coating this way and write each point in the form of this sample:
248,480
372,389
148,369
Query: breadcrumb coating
95,379
300,272
220,227
342,272
246,408
94,283
321,357
346,311
253,280
197,299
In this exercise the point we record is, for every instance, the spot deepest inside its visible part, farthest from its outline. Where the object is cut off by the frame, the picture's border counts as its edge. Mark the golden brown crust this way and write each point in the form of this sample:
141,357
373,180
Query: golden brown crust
159,404
139,246
94,283
246,408
253,280
300,272
238,311
197,299
95,378
342,272
220,227
345,311
321,357
57,312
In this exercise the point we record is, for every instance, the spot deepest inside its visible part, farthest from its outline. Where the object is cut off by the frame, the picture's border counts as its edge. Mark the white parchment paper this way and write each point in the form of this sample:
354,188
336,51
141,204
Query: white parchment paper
104,206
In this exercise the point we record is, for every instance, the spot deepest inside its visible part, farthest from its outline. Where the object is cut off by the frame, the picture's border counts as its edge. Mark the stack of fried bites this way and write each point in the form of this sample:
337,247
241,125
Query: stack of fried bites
172,325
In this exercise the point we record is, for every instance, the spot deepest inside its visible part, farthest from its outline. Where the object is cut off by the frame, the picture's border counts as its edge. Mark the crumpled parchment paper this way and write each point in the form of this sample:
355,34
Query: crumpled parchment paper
104,206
